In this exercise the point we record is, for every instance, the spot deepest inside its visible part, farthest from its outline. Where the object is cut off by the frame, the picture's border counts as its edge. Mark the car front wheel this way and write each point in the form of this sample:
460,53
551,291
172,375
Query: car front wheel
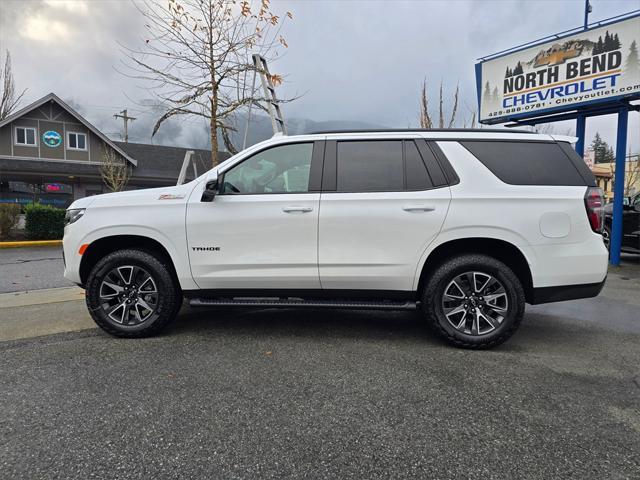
132,293
474,301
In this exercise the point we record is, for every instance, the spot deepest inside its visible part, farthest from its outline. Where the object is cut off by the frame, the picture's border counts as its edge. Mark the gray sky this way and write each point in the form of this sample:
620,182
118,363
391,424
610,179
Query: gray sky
352,59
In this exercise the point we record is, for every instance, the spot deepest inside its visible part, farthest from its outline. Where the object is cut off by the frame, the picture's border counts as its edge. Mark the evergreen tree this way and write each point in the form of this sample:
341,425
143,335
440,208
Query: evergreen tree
518,70
607,42
615,42
609,156
632,65
603,153
495,96
599,47
487,93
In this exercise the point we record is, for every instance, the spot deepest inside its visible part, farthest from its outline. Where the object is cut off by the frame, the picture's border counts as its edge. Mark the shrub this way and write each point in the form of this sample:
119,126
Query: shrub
9,216
44,222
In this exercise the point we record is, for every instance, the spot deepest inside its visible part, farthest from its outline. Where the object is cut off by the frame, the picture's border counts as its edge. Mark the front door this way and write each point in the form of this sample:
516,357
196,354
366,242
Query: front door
385,209
261,230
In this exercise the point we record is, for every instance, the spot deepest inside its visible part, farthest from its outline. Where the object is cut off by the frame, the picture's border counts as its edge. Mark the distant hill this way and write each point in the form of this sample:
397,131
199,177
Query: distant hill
260,128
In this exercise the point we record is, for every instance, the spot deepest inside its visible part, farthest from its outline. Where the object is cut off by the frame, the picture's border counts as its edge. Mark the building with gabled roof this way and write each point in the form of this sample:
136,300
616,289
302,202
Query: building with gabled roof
51,154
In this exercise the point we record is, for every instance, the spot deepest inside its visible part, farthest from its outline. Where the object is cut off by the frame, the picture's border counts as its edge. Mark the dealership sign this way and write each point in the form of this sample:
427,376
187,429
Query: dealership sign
590,66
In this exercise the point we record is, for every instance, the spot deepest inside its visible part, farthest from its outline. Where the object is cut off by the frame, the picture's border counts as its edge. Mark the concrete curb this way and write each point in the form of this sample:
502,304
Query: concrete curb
43,312
32,243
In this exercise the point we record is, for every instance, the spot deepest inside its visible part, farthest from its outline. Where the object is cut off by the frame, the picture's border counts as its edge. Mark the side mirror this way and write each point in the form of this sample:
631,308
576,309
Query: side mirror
210,191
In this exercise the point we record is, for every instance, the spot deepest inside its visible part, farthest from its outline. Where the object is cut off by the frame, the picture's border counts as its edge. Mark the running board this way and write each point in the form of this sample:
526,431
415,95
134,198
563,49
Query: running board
302,303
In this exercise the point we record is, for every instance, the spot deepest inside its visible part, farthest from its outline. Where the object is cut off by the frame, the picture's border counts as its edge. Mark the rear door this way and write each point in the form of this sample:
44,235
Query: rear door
382,203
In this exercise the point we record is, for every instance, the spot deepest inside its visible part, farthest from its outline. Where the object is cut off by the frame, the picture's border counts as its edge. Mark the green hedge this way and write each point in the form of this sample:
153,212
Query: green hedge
43,222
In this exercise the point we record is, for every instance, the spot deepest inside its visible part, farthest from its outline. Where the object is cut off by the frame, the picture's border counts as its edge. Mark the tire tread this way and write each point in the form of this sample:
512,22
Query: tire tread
173,296
441,273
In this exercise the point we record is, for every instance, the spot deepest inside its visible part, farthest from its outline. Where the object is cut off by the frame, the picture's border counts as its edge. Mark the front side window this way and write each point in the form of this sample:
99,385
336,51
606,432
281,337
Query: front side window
370,166
281,169
26,136
76,141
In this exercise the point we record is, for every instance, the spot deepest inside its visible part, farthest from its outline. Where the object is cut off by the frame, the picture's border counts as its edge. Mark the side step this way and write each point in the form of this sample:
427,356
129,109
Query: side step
292,302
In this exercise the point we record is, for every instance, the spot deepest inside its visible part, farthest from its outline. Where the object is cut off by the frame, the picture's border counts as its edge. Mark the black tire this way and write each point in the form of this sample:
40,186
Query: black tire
606,237
142,322
510,295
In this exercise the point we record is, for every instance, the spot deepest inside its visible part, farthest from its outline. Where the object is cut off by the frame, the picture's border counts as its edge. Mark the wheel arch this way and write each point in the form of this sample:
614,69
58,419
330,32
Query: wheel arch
502,250
111,243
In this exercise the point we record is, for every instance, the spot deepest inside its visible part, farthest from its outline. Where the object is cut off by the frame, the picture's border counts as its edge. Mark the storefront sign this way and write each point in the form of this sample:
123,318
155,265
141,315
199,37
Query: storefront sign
52,138
591,66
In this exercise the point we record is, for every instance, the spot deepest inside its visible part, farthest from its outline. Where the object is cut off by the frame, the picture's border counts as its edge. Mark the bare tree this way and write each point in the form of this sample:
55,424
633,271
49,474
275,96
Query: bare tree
632,174
426,121
10,98
198,58
114,169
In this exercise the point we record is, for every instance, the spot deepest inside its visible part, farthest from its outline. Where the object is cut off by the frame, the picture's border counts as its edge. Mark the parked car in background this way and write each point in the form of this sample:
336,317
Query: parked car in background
630,224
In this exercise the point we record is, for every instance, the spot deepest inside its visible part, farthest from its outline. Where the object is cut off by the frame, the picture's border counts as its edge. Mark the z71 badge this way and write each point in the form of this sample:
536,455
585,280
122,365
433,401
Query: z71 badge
170,196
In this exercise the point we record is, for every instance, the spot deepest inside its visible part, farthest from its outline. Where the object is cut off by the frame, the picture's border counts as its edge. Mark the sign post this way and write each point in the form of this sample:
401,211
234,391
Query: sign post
618,187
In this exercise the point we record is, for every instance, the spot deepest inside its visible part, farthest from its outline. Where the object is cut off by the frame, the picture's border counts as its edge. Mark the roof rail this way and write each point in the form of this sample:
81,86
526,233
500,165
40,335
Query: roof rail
400,130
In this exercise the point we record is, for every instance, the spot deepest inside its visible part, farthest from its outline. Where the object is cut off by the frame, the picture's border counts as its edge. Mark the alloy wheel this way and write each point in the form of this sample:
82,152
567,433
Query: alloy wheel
606,238
475,303
128,295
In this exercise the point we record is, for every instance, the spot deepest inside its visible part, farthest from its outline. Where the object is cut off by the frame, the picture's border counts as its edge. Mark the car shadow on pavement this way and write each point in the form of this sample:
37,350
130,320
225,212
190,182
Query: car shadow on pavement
537,331
299,322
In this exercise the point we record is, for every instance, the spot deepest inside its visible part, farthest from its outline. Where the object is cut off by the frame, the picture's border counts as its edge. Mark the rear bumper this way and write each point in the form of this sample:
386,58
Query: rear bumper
566,292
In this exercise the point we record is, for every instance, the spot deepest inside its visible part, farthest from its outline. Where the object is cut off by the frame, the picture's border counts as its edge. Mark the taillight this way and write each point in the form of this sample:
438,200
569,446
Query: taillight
594,203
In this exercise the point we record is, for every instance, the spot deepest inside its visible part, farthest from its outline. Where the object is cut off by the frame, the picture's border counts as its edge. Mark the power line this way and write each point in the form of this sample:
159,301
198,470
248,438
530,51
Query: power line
126,118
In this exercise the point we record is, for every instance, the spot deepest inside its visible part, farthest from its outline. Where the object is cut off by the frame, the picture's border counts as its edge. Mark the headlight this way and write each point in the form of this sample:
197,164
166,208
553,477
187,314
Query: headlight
73,215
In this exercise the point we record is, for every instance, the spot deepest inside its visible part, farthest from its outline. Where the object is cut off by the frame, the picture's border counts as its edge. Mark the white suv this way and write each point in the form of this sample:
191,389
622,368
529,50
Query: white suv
465,226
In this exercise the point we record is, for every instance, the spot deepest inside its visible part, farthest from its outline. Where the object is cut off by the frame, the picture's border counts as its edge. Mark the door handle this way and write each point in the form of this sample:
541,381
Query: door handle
418,208
297,209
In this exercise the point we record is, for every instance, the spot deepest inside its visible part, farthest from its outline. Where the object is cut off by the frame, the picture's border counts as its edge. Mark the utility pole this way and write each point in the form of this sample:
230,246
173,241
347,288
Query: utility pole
125,118
587,11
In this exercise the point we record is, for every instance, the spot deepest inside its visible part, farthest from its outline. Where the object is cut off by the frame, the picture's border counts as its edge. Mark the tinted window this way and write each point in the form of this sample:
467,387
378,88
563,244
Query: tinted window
372,166
283,169
579,163
416,174
526,163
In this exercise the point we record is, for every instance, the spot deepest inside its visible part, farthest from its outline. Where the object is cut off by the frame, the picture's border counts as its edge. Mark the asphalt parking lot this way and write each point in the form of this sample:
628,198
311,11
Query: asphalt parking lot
31,269
327,394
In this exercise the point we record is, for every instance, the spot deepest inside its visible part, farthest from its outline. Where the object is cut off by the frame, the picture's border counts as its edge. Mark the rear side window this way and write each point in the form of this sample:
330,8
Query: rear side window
527,163
416,176
371,166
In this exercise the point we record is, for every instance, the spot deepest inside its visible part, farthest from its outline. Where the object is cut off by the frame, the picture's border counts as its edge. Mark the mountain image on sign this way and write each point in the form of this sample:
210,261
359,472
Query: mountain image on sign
557,54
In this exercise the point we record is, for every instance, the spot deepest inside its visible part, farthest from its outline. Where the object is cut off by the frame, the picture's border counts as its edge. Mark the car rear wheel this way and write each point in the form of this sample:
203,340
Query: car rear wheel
474,301
132,293
606,237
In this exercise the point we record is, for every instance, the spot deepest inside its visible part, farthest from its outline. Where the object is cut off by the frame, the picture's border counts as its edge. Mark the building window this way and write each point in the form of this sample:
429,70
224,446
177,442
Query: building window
76,141
26,136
